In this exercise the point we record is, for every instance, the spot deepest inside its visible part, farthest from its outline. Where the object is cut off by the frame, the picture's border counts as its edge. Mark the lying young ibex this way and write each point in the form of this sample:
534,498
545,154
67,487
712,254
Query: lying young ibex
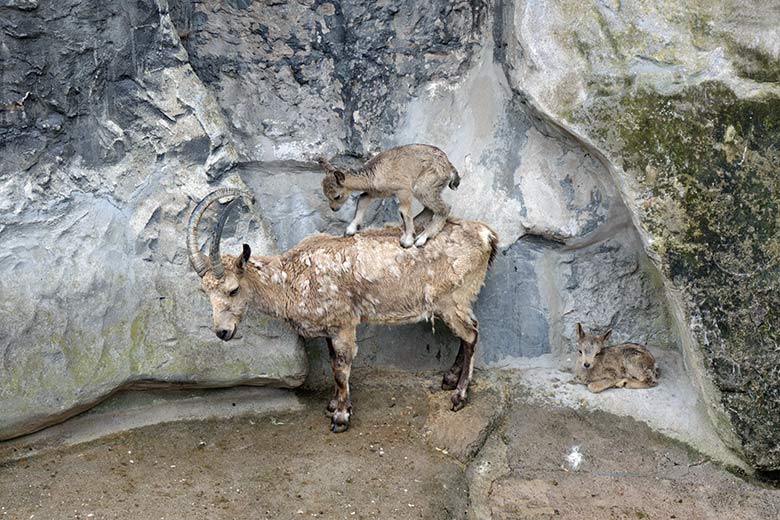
625,365
414,170
325,286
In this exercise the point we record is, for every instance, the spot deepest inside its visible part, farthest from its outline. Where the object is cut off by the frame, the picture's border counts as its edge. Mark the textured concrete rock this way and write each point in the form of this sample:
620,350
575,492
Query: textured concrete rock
107,144
681,102
329,76
462,435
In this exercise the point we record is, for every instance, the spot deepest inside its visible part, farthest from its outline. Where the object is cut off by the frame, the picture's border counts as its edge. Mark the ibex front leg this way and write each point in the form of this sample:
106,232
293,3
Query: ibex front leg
342,347
360,212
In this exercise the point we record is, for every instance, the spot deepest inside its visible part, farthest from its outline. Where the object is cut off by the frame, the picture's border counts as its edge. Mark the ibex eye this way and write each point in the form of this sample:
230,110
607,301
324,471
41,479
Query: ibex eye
579,351
234,292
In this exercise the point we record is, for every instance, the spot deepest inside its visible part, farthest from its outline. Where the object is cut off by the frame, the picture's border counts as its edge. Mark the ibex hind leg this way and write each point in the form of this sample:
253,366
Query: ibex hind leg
334,400
405,209
636,383
467,330
602,384
451,377
440,209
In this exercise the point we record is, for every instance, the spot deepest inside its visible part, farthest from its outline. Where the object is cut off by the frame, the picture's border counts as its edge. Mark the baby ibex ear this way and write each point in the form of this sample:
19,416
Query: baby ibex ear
329,169
580,332
243,258
606,335
325,164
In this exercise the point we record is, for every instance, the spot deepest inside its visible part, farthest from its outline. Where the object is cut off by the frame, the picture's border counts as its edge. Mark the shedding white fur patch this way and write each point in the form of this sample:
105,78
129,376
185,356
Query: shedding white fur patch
485,235
574,458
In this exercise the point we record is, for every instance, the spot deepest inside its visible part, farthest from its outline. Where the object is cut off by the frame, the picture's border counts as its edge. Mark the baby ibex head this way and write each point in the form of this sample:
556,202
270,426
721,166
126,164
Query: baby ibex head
224,283
333,185
589,346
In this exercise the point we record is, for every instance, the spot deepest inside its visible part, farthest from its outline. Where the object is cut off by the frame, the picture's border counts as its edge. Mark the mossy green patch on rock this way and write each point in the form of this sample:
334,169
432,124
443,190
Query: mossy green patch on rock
707,169
753,63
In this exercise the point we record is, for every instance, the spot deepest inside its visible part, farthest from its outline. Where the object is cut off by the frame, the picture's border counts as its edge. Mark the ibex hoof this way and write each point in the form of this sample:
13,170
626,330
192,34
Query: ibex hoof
421,240
407,241
333,405
351,230
340,422
449,381
339,428
458,402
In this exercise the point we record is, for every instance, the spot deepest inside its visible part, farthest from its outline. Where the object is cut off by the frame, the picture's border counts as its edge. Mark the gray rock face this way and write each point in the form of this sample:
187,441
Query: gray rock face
115,118
682,105
108,139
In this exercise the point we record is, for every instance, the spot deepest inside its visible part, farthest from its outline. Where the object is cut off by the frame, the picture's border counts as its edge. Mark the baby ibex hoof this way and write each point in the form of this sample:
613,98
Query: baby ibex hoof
407,241
351,230
421,240
458,402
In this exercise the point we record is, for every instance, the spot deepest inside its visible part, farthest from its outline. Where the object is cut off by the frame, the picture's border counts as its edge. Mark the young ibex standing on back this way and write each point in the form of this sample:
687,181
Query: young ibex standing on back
325,286
625,365
414,170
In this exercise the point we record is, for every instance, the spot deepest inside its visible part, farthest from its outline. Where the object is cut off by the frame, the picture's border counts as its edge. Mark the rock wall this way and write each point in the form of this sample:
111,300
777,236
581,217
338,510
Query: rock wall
108,139
680,101
588,135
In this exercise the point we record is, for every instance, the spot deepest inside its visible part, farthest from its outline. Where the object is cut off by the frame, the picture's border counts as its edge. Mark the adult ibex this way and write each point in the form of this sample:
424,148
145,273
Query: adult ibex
326,285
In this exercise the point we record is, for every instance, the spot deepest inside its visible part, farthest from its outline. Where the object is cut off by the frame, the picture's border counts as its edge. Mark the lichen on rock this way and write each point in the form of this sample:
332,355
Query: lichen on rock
706,163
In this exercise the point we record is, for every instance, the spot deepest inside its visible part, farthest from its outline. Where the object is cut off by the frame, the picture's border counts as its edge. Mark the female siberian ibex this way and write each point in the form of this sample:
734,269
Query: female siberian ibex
325,286
414,170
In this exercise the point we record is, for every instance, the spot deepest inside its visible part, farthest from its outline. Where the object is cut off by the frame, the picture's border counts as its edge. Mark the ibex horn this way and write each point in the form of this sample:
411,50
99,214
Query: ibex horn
216,259
199,261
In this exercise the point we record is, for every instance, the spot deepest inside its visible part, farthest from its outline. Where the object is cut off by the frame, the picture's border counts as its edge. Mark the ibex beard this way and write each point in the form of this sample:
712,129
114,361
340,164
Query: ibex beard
325,286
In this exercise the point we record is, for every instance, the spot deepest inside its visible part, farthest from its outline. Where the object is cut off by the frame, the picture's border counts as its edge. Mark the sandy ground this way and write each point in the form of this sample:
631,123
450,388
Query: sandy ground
406,456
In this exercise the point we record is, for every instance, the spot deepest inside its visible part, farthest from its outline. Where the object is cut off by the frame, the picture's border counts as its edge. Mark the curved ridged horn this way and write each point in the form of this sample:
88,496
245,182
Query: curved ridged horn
198,260
214,257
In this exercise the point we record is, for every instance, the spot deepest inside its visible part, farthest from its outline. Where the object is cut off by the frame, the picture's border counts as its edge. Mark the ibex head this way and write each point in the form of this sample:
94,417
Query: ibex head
224,283
589,346
333,185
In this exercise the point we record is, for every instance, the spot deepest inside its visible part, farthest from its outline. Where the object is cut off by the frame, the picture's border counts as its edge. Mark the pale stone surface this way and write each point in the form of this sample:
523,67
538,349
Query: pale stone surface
98,292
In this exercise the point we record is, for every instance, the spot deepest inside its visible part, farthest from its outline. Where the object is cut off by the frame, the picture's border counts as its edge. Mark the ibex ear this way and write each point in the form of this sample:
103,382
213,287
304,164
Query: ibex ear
339,177
606,335
243,258
580,332
324,164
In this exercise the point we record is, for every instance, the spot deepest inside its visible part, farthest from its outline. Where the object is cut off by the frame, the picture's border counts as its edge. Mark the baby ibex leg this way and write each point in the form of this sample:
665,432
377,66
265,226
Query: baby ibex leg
343,348
441,210
405,209
636,383
357,222
601,385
